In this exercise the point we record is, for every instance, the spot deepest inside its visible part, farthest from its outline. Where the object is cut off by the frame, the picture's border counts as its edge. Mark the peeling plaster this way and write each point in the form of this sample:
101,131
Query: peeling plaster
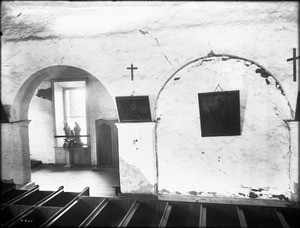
281,197
268,78
257,190
45,94
164,191
253,195
193,193
212,193
139,182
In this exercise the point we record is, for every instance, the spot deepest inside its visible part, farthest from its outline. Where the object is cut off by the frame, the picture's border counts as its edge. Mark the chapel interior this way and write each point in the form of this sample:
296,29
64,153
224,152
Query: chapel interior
149,114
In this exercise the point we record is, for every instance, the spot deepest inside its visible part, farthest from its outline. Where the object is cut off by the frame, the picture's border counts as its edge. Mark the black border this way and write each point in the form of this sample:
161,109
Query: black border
120,112
211,94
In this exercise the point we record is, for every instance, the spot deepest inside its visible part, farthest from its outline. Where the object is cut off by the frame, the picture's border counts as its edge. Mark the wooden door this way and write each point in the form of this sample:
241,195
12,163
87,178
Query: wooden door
107,149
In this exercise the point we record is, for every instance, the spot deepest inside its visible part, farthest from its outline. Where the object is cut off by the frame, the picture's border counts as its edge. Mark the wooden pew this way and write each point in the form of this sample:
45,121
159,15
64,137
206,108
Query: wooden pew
289,217
11,194
109,213
19,197
37,217
32,202
5,187
46,208
98,209
222,215
202,216
78,212
242,219
8,210
56,218
42,213
165,216
184,214
145,213
260,216
127,218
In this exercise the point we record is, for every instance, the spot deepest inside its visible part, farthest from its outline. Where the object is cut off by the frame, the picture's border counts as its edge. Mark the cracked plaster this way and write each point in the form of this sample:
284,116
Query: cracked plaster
260,150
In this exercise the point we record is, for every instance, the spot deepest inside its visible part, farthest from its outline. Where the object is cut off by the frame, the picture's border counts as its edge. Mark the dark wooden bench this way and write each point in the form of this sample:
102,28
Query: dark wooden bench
52,209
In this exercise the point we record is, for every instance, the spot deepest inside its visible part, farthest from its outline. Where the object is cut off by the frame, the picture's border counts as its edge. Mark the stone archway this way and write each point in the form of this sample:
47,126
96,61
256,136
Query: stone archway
201,164
20,107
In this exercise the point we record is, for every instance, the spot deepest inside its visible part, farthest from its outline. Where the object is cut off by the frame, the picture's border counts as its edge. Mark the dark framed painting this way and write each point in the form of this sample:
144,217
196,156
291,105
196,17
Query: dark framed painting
220,113
134,109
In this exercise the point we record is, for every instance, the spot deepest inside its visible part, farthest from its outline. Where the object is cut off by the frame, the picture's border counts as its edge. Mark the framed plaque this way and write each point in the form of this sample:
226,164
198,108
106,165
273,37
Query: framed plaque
133,109
220,113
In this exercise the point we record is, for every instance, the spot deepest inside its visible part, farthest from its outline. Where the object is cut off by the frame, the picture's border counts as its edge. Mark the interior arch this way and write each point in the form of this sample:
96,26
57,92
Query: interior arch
100,104
226,160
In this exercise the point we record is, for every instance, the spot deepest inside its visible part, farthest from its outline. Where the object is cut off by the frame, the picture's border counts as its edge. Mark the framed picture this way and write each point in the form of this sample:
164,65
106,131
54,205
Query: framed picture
134,109
220,113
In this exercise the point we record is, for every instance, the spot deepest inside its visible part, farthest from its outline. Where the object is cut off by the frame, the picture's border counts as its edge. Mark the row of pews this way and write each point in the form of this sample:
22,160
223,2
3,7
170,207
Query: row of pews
36,208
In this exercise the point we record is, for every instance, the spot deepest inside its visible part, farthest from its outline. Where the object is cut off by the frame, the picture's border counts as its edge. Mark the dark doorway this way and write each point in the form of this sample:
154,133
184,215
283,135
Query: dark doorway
107,143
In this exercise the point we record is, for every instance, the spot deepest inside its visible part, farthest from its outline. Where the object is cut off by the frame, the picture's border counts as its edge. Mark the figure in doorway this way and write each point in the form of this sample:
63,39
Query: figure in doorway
77,130
69,140
67,130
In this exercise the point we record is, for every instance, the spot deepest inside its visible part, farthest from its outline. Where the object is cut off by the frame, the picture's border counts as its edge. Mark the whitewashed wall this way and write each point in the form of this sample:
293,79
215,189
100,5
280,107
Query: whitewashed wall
233,166
159,38
41,127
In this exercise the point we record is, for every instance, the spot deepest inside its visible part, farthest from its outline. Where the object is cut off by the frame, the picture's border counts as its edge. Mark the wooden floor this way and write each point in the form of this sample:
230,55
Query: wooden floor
75,179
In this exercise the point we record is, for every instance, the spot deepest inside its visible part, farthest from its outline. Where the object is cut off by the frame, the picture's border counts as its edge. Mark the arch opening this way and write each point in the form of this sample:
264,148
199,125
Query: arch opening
202,163
30,103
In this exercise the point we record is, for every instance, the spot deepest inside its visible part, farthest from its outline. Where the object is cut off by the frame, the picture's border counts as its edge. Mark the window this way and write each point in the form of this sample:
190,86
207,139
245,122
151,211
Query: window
220,113
70,107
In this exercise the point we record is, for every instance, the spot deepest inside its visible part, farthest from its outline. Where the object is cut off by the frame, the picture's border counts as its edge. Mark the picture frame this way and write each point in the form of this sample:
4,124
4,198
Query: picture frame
219,113
133,108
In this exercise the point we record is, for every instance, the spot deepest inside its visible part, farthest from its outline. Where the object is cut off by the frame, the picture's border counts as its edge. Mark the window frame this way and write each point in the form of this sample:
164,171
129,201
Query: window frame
82,79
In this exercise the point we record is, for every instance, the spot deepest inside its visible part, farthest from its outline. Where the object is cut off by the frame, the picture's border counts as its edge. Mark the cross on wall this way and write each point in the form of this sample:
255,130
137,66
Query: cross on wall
132,68
294,58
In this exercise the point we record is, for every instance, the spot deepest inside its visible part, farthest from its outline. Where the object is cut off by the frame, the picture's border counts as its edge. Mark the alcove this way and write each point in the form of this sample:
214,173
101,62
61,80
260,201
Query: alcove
258,158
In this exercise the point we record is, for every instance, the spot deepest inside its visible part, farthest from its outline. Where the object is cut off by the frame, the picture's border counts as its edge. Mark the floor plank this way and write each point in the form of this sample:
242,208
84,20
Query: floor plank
74,179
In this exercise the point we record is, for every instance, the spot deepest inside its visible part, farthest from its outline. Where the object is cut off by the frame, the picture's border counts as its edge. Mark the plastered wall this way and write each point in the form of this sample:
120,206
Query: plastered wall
159,38
253,164
15,158
41,128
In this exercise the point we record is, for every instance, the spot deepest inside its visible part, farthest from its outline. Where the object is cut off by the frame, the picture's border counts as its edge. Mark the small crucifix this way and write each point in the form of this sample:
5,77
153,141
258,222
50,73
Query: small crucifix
294,63
132,68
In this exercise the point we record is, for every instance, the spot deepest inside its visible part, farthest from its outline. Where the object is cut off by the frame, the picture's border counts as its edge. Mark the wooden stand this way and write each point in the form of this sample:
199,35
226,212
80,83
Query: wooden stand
68,159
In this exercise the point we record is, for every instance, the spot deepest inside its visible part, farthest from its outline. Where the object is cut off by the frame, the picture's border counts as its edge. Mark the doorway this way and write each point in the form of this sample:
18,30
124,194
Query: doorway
107,143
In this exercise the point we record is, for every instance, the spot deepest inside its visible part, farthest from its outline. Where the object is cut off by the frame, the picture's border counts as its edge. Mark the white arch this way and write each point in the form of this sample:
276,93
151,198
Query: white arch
211,55
270,74
20,106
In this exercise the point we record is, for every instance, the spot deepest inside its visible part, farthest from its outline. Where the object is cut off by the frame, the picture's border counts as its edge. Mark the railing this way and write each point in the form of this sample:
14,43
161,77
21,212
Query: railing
64,136
71,137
